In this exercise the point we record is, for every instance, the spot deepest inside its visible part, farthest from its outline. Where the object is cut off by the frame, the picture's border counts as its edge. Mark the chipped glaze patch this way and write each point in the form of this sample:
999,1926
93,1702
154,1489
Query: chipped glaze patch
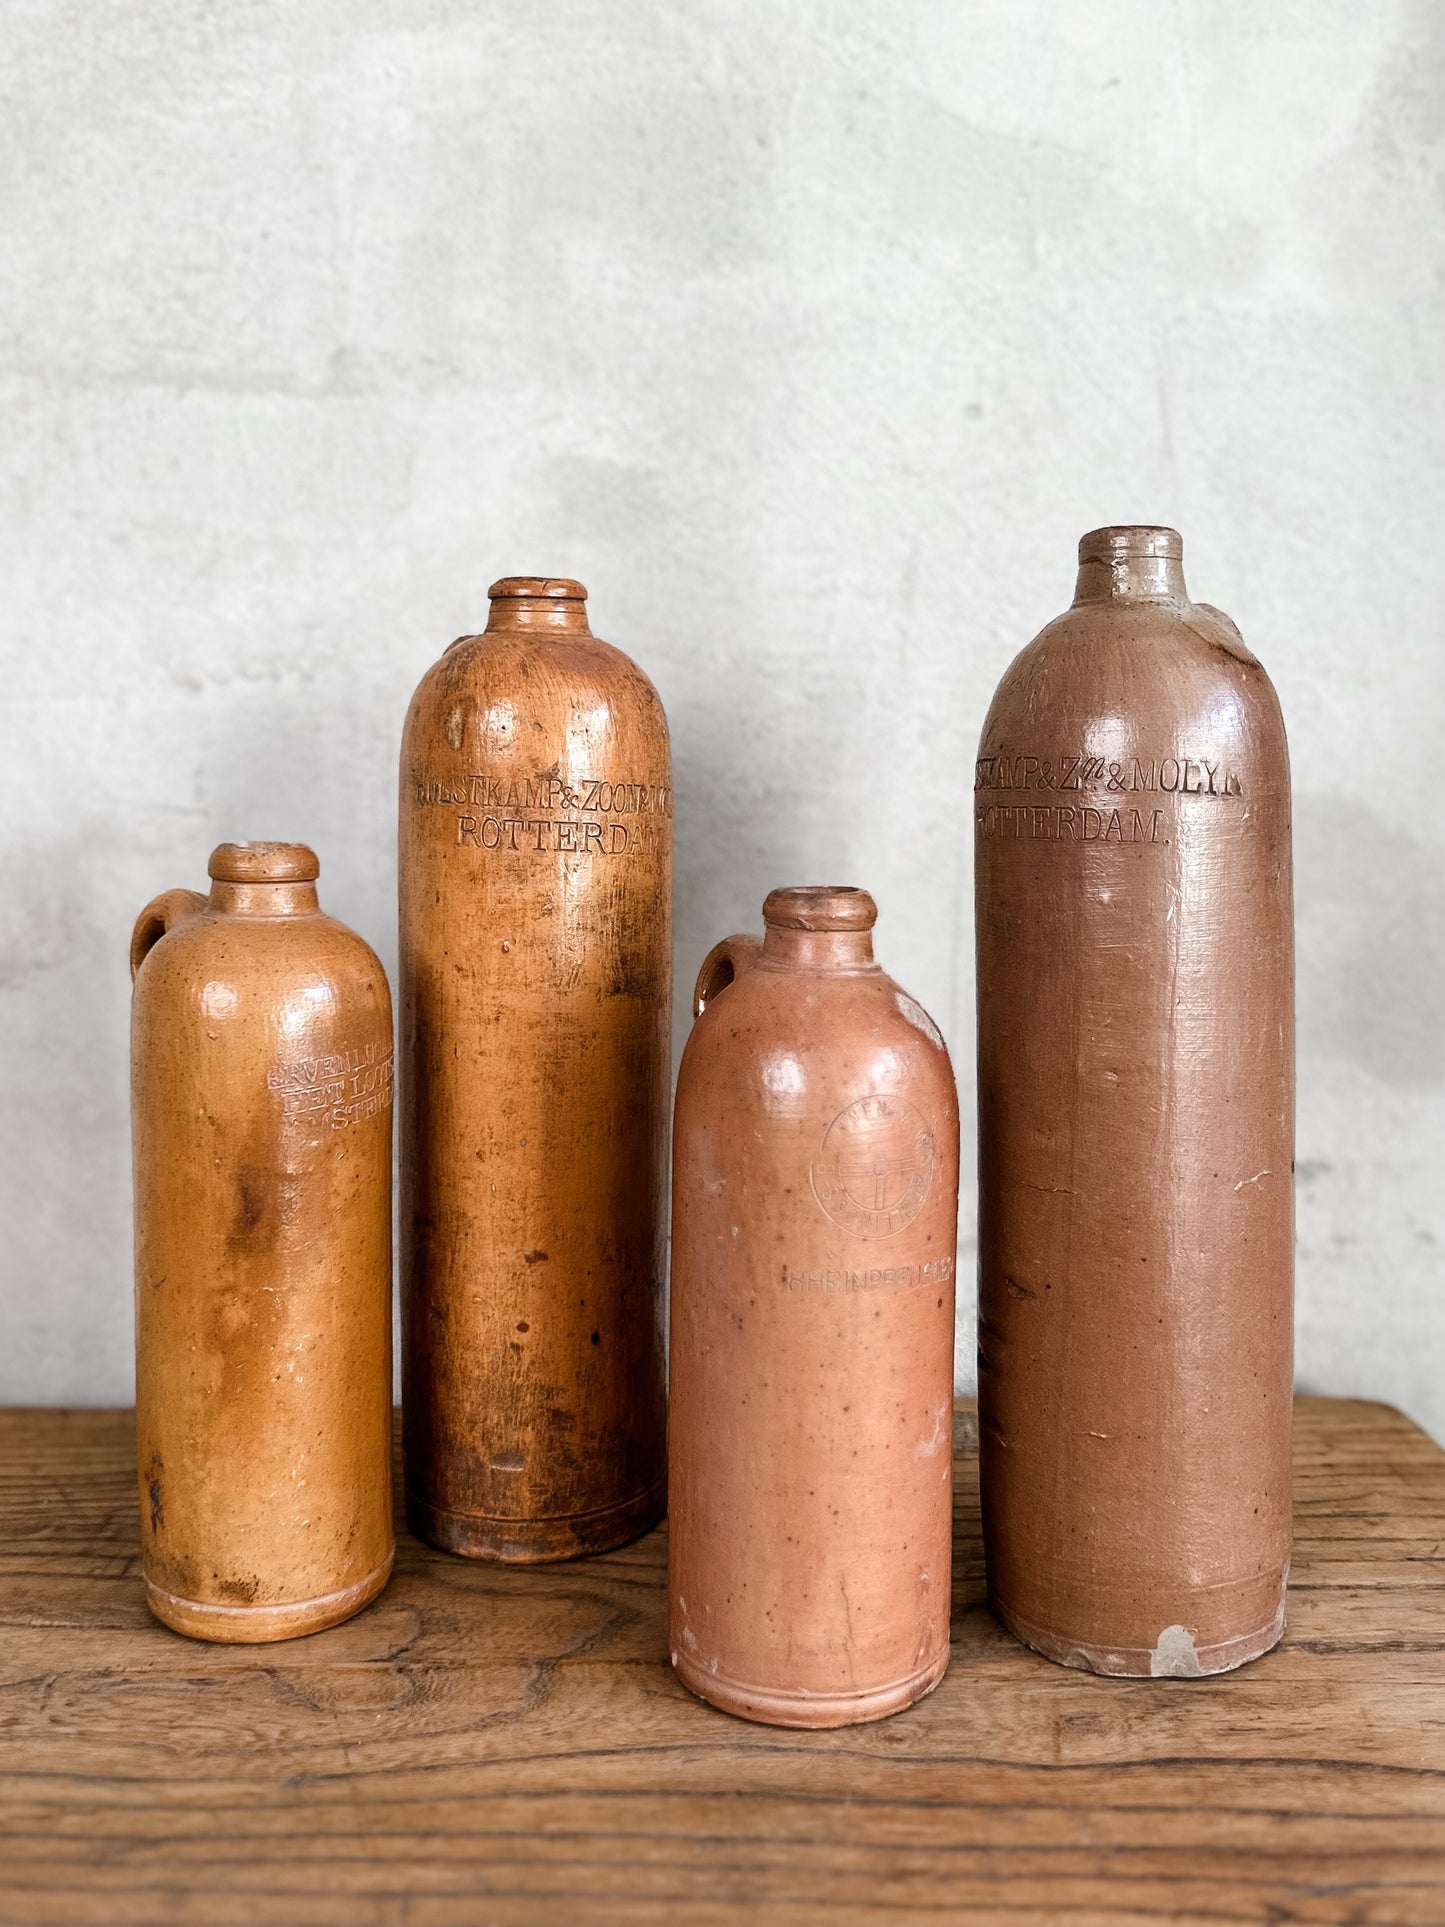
914,1013
1175,1657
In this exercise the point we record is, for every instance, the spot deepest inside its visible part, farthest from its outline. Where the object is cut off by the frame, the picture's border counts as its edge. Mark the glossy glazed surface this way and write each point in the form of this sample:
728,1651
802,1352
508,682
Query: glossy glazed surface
1136,1129
261,1056
536,947
815,1193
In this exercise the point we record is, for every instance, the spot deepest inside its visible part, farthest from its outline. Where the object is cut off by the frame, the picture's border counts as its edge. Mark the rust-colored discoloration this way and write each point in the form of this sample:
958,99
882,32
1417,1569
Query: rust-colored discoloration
240,1592
1136,1127
261,1067
251,1188
155,1492
535,887
815,1207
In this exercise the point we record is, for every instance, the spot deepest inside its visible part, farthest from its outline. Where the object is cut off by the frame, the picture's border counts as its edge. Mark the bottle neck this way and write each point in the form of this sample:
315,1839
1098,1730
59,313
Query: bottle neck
262,899
841,951
539,615
1131,565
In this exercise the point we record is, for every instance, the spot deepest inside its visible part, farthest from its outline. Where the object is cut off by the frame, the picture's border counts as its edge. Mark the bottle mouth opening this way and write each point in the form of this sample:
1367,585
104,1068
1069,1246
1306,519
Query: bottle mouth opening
818,906
1131,539
518,588
263,863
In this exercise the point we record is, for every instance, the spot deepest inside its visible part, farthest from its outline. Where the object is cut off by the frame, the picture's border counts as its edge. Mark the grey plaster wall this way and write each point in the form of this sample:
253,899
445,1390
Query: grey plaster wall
811,334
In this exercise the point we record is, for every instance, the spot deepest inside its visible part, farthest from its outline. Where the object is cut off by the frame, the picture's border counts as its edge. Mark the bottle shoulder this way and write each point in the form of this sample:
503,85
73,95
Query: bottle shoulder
567,672
1141,676
790,1035
230,966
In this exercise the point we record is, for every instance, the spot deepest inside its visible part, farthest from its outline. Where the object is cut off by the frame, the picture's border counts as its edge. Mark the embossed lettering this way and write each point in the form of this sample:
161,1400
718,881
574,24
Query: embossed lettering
543,812
1068,823
349,1086
1176,775
874,1167
847,1279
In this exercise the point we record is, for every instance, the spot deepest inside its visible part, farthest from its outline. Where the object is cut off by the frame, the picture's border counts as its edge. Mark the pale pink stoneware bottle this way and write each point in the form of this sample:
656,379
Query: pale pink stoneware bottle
815,1197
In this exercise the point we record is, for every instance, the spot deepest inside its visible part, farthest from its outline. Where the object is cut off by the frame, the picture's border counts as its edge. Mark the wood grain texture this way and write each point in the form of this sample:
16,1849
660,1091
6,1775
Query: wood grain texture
487,1744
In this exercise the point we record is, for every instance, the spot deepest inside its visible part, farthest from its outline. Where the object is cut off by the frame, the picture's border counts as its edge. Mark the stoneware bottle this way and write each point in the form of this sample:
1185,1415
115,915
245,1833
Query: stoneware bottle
1136,1129
536,947
815,1197
261,1118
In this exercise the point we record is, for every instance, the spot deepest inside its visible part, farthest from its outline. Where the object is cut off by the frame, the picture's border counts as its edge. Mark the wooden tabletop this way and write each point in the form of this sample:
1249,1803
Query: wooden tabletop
510,1745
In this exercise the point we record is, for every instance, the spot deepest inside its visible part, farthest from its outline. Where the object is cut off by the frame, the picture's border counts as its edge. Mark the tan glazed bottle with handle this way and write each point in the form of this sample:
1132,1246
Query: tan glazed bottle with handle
261,1062
815,1197
1136,1129
536,956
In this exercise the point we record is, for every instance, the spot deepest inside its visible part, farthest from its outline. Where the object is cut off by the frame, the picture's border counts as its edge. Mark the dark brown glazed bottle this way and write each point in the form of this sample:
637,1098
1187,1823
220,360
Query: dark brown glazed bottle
815,1207
261,1115
1136,1129
536,955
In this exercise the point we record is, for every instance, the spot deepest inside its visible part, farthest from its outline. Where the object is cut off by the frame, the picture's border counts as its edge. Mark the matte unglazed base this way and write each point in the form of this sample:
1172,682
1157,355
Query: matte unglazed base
529,1542
257,1625
1174,1657
770,1708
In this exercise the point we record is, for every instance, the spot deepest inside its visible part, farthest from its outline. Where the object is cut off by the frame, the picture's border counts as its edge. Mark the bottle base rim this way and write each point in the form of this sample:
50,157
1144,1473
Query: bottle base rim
529,1542
258,1625
1175,1656
766,1706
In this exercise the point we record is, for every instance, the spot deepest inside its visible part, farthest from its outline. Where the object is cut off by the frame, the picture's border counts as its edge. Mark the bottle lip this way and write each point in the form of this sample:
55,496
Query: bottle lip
515,588
263,863
820,906
1130,538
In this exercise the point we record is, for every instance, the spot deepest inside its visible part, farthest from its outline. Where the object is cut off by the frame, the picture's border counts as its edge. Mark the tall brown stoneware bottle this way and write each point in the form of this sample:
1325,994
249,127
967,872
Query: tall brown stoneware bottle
536,956
815,1201
1136,1129
261,1118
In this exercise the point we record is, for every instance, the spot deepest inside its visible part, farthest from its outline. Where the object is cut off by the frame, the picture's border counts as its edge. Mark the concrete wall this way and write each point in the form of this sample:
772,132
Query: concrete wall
811,336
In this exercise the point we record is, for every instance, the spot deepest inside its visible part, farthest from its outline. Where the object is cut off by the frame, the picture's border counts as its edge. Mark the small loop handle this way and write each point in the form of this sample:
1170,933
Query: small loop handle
731,958
161,914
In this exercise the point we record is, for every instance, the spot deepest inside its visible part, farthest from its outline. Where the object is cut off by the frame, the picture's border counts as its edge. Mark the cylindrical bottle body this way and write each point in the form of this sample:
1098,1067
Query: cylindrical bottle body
1136,1124
261,1103
810,1443
536,892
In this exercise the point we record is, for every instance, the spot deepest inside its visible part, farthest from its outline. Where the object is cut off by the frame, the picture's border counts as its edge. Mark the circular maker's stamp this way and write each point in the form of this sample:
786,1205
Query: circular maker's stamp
874,1166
